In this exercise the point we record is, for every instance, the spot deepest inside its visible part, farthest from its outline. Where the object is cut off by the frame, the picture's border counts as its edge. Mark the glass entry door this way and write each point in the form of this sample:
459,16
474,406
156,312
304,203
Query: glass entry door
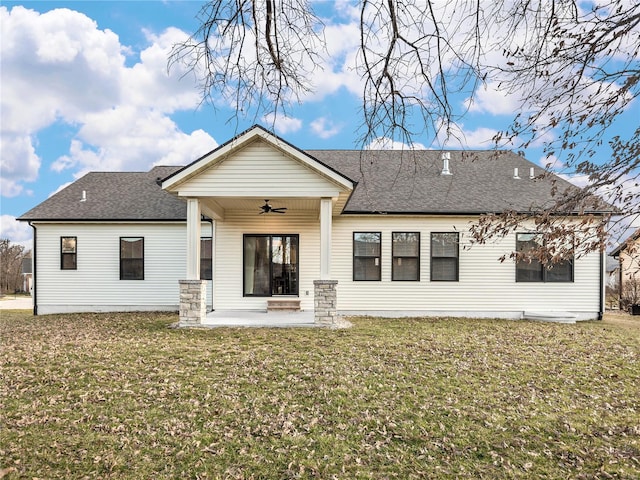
270,265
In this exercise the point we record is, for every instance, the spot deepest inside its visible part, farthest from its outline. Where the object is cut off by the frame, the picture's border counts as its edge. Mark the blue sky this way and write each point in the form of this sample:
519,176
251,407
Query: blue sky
84,87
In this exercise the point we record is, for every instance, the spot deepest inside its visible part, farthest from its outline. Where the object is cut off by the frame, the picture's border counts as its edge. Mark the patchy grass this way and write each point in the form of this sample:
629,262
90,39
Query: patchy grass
123,396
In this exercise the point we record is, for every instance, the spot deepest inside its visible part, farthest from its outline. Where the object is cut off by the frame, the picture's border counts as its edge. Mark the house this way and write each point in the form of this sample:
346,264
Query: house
628,255
27,273
259,224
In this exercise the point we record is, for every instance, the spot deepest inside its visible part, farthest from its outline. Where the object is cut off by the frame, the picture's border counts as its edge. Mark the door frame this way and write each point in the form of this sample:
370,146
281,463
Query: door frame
297,264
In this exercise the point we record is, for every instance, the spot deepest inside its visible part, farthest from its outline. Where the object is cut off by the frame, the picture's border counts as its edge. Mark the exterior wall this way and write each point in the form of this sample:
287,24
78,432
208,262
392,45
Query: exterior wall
228,254
95,285
486,287
629,273
630,263
272,174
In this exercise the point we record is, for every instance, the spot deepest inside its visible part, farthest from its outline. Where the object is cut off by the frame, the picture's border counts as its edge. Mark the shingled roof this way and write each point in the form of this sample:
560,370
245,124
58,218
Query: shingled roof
389,181
113,196
404,182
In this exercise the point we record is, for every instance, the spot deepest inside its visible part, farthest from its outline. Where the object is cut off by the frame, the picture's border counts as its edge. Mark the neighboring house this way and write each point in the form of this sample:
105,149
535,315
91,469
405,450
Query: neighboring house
27,273
613,272
377,232
628,255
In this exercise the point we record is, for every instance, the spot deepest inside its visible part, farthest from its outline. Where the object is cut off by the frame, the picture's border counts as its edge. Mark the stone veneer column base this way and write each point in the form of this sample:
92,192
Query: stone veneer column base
325,302
193,302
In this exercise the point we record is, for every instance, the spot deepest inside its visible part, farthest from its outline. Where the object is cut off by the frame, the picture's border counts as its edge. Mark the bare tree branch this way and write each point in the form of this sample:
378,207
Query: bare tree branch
571,67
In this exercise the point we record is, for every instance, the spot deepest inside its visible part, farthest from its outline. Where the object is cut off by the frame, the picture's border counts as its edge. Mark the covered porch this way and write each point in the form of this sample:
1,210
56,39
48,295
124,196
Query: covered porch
271,208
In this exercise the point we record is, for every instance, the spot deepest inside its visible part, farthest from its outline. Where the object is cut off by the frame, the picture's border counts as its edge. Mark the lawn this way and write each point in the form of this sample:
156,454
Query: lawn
123,396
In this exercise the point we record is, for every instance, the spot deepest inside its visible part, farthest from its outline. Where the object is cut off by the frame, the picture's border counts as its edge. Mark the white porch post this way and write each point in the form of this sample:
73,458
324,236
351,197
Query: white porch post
324,289
325,238
193,293
193,239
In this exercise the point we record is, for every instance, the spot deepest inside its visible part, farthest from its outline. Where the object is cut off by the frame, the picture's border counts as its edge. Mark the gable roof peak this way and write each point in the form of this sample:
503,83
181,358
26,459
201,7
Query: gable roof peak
245,138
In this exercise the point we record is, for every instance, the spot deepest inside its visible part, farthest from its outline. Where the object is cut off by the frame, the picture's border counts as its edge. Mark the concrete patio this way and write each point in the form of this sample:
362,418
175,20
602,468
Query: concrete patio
259,318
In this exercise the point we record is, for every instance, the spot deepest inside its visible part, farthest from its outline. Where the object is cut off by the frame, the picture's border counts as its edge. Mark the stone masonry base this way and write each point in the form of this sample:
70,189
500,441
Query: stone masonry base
193,302
325,302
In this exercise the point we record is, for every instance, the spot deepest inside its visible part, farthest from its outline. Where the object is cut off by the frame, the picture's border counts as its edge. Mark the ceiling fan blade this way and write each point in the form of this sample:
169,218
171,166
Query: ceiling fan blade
267,208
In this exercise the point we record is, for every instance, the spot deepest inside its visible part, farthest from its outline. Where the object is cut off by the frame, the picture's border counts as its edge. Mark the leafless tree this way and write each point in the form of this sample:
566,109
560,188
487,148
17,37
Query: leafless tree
571,69
11,256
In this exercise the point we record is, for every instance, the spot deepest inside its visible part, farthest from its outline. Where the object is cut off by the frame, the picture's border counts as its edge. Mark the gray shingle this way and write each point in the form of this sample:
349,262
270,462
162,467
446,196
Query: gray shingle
394,181
113,196
389,181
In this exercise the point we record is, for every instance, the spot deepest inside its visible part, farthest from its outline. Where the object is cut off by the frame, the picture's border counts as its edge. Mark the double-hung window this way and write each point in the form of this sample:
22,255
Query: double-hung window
445,257
529,269
68,253
366,256
405,252
131,258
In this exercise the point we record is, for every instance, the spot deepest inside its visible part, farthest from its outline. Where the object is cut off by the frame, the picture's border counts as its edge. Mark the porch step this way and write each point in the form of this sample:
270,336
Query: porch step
283,305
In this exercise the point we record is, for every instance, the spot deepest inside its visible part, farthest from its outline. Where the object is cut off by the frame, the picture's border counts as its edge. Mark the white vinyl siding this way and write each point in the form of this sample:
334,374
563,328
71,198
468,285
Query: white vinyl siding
485,287
259,170
95,285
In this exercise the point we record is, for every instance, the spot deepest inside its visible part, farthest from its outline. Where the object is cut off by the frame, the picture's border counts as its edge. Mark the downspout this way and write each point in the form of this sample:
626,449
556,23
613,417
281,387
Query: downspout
602,263
34,293
213,243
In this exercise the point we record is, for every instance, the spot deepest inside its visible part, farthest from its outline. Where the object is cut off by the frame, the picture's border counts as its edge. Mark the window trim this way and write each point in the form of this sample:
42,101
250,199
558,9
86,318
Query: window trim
394,256
457,257
63,254
210,258
142,258
354,256
545,270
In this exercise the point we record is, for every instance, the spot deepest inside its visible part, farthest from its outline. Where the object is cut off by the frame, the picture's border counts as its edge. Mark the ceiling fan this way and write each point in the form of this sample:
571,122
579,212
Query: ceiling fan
266,208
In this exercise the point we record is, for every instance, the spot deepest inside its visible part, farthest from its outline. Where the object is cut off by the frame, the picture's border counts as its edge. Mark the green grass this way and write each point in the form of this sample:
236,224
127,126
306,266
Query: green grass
123,396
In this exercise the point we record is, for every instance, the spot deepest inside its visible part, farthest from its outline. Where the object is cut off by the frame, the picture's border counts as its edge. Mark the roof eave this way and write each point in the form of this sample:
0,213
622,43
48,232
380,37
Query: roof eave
97,220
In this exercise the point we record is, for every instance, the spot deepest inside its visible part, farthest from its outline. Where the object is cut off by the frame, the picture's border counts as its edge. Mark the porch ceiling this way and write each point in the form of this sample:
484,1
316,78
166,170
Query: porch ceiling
253,204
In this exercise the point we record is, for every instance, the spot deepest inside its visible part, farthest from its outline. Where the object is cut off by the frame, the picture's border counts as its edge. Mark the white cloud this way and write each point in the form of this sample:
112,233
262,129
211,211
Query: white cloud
490,99
59,67
481,137
18,163
338,68
148,84
324,128
282,124
84,76
16,232
132,139
385,143
456,136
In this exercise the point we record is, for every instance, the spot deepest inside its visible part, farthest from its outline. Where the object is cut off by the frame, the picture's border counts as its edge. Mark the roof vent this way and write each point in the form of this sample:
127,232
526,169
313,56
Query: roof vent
446,156
515,173
84,196
532,173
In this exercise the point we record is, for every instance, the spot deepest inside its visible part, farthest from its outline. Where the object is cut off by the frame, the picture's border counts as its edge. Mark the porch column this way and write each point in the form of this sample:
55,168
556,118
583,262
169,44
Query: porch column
324,290
193,294
193,239
325,238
